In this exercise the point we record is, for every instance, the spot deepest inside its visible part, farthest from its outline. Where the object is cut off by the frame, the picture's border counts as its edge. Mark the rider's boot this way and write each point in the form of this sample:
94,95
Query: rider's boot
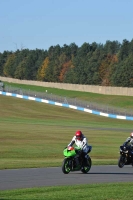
85,160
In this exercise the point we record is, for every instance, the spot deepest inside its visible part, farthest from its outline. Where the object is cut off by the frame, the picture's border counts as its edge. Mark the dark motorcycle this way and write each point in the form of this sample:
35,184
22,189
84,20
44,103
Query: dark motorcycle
73,160
125,156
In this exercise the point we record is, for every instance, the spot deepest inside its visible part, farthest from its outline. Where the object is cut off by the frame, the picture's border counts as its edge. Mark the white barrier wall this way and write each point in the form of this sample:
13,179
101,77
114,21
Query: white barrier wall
108,90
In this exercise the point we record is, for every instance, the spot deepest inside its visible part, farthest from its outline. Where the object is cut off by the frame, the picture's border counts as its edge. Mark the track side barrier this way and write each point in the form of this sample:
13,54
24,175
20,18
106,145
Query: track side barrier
67,106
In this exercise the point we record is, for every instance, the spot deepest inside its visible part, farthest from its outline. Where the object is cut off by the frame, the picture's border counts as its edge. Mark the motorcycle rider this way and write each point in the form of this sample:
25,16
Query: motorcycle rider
129,142
81,141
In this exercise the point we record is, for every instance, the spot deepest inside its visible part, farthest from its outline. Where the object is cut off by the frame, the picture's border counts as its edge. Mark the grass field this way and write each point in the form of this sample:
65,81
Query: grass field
34,134
106,191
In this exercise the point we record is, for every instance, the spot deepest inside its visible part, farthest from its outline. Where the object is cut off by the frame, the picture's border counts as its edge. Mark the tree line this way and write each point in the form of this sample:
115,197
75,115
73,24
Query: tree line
109,64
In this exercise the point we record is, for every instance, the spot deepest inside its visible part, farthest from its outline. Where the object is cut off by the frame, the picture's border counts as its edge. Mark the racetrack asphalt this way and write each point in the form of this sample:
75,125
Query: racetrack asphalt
39,177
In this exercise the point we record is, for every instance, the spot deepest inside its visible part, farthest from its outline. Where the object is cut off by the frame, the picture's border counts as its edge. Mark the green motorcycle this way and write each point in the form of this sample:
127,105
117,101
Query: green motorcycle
73,160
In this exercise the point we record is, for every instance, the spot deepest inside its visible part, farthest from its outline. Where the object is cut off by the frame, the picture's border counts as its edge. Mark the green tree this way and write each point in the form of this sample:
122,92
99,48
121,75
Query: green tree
9,66
112,48
20,70
123,74
124,50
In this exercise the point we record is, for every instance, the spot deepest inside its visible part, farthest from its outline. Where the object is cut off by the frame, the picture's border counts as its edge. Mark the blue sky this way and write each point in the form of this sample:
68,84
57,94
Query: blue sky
43,23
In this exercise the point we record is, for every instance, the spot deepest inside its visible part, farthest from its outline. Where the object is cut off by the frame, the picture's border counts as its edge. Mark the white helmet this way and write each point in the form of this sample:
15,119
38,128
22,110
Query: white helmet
131,135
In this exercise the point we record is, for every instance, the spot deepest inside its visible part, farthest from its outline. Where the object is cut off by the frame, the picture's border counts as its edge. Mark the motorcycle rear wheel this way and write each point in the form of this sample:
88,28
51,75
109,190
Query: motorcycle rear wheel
121,161
87,167
66,166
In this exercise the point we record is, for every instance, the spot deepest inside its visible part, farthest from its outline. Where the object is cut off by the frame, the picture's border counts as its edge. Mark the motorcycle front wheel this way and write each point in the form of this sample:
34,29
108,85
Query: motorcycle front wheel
121,161
66,166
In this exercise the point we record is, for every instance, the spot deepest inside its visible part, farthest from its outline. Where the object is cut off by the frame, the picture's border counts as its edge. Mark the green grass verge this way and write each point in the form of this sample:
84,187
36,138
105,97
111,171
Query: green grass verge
113,191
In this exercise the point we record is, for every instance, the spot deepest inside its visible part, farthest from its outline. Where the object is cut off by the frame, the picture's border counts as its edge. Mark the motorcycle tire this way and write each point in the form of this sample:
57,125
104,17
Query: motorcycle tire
85,169
121,161
66,168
